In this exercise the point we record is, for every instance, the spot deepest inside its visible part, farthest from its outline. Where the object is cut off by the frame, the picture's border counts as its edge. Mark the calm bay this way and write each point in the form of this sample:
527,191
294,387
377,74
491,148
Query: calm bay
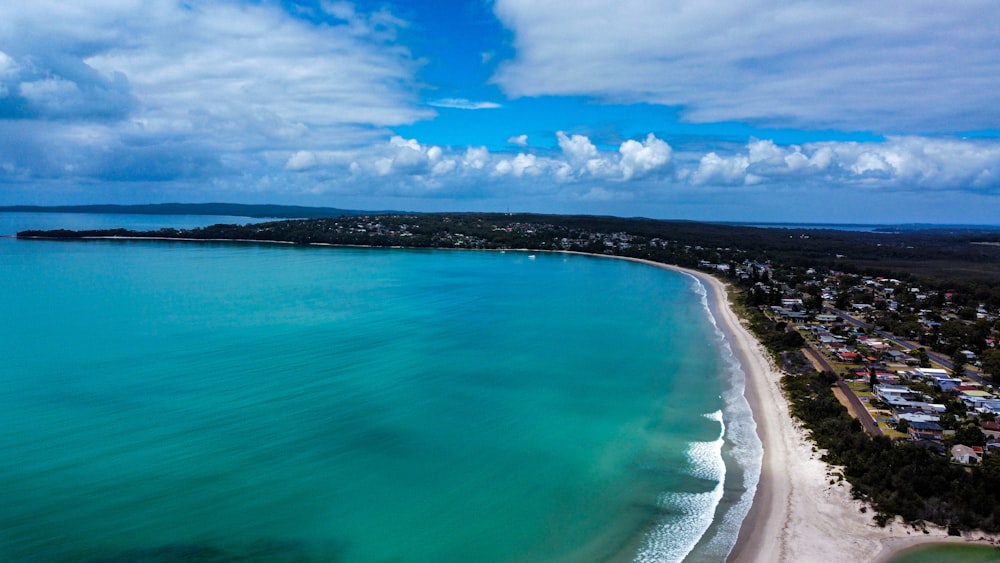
271,402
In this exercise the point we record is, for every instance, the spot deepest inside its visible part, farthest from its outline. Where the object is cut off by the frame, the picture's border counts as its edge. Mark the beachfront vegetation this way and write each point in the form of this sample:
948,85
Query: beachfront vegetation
902,478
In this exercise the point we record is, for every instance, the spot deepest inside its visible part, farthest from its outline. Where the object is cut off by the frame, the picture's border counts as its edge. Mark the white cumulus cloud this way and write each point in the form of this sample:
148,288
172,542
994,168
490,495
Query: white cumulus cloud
476,158
577,148
520,165
640,158
715,169
302,160
898,163
520,140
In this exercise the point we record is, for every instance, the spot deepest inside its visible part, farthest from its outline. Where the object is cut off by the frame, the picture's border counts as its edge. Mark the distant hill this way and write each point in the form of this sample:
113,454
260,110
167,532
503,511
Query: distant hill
234,209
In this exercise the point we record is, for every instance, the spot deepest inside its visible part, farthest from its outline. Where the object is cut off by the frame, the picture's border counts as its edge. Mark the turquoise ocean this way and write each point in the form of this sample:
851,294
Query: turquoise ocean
170,401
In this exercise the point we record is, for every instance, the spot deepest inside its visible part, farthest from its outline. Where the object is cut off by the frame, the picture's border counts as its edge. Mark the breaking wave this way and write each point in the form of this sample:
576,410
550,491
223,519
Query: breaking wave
709,522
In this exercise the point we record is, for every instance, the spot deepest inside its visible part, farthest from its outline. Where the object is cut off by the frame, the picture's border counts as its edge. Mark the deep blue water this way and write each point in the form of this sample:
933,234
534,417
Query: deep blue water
190,401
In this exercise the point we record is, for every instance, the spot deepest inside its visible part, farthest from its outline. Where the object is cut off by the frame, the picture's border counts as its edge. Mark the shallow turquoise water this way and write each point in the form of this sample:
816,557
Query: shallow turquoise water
169,401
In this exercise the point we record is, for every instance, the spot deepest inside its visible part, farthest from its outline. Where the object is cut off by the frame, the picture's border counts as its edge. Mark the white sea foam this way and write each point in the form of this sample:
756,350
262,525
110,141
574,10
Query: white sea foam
746,451
676,539
691,512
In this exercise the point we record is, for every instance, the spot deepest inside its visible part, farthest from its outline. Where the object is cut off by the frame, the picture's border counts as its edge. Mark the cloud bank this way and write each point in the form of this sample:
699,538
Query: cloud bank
909,67
650,166
114,87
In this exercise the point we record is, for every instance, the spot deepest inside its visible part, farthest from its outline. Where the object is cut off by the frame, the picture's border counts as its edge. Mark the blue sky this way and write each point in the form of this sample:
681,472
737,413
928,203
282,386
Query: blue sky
707,110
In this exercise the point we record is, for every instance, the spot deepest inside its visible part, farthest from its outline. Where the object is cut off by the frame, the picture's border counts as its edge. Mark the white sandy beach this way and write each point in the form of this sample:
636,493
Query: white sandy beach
798,515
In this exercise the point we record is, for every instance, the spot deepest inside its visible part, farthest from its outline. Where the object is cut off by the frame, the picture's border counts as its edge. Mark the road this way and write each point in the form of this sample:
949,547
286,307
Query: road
936,357
865,417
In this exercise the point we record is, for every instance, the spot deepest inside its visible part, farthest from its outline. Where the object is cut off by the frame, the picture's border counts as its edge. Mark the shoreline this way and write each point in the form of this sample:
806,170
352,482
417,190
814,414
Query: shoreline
800,510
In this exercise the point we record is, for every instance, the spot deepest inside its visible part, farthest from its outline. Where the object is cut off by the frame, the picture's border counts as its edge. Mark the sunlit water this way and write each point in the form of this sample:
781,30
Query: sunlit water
196,401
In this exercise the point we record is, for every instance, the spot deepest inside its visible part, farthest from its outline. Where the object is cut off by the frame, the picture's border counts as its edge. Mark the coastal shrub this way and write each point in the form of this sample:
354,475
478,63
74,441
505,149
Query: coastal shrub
903,478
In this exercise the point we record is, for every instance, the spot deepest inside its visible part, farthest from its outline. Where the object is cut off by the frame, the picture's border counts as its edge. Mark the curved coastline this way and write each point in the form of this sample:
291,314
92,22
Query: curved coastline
799,512
748,364
742,451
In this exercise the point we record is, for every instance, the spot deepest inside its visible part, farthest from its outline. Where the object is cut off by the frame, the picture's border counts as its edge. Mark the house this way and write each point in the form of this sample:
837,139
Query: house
975,398
966,455
926,431
932,373
903,399
829,339
848,357
949,385
899,356
991,429
887,378
918,416
987,406
889,392
877,345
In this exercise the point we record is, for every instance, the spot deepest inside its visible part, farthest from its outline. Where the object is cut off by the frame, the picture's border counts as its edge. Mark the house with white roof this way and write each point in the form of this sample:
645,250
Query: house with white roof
932,373
967,455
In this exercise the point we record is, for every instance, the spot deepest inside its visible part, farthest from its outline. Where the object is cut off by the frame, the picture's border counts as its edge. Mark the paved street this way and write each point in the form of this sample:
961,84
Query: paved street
938,358
865,417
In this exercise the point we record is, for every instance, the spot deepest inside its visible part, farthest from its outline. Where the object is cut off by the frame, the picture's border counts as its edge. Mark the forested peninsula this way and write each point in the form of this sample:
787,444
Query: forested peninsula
942,253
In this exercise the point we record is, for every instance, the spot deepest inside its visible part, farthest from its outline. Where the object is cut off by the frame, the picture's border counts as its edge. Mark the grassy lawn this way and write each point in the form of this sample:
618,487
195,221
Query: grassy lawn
860,389
891,432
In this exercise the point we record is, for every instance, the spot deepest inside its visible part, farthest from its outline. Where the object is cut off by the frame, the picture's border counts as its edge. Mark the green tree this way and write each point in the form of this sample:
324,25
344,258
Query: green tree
921,354
908,329
813,303
991,466
970,435
991,363
958,361
792,339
